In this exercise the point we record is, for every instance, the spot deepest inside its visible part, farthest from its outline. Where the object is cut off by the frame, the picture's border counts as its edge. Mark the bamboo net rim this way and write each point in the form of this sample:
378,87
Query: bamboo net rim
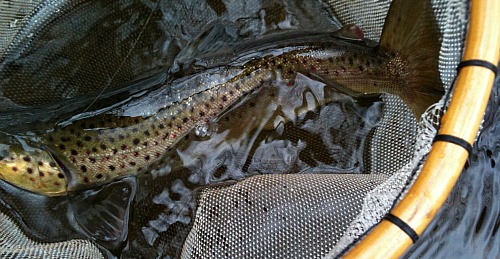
446,160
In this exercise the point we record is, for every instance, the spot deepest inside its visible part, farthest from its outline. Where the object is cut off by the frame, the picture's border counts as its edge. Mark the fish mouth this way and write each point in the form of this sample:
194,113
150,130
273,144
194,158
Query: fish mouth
61,165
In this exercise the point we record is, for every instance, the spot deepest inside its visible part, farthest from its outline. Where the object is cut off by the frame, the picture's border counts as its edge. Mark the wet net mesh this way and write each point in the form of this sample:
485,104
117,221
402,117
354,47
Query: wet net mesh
303,216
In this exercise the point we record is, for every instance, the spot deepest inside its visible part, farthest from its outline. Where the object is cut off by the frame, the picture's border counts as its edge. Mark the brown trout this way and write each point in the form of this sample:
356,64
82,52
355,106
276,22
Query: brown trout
103,148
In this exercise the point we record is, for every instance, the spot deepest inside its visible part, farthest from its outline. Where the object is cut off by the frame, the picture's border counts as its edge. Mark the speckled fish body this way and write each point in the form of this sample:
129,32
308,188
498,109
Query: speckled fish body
98,150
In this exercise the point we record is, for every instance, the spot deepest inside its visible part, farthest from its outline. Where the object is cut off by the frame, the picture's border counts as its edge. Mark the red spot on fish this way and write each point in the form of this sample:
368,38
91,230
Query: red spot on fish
155,143
157,154
174,136
136,154
290,83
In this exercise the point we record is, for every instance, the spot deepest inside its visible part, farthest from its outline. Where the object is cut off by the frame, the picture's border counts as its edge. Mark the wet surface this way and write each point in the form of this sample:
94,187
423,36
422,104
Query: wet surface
151,215
467,225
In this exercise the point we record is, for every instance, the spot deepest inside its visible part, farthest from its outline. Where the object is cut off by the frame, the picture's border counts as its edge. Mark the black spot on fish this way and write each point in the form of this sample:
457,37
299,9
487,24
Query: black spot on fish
30,171
87,138
251,104
145,144
147,158
60,175
361,68
331,60
40,163
94,149
121,137
351,61
41,174
62,147
92,160
161,126
79,144
111,167
114,151
86,180
98,176
132,163
202,113
237,86
83,168
185,119
123,147
50,138
52,164
74,152
65,139
224,98
27,158
136,141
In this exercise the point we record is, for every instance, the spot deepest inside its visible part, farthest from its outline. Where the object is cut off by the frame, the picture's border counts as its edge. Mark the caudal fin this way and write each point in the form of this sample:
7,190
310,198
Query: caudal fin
411,30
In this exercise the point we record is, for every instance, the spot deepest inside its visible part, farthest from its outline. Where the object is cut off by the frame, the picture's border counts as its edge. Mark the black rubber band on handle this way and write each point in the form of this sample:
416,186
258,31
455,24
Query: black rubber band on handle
455,140
403,226
478,63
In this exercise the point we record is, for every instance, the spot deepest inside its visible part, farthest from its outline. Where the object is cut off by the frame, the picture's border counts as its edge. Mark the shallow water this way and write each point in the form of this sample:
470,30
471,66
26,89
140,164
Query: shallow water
157,219
467,225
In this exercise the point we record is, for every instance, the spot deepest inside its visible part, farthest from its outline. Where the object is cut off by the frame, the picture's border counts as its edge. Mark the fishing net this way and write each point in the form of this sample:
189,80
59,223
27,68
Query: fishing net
272,215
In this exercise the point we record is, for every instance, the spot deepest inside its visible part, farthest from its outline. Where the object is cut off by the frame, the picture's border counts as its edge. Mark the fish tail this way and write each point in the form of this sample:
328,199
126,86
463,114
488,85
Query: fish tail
412,32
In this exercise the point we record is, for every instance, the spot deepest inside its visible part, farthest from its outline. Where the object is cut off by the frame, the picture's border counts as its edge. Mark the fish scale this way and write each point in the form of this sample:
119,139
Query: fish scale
106,153
103,148
102,154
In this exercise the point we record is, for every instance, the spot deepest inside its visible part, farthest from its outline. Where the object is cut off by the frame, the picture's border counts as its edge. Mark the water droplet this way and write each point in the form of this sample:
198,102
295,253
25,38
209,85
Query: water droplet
202,130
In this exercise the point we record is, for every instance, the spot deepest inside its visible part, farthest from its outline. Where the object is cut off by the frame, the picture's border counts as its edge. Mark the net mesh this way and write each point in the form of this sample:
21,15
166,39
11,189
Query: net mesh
14,244
270,216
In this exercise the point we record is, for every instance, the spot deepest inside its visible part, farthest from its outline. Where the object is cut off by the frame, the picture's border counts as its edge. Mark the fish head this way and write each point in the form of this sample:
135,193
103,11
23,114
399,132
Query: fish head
34,170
